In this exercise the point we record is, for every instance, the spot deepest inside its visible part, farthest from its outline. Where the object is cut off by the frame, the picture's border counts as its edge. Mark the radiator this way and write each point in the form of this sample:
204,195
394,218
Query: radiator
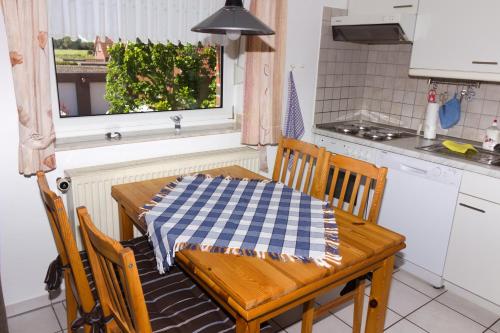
91,186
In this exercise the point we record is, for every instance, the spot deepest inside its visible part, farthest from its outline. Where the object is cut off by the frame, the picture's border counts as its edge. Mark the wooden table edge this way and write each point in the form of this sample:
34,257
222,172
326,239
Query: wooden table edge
308,292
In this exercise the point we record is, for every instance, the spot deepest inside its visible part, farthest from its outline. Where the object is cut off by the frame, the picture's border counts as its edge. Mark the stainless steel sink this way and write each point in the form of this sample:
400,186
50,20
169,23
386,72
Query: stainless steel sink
481,156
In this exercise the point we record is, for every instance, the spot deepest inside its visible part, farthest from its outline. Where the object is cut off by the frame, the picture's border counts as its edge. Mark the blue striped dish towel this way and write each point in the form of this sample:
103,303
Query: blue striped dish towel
294,122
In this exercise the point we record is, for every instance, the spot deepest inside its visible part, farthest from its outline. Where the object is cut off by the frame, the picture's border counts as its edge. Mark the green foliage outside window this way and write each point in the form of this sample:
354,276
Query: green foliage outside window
161,77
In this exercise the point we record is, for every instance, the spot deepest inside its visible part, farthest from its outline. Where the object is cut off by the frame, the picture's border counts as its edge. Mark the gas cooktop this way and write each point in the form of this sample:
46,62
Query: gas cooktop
367,130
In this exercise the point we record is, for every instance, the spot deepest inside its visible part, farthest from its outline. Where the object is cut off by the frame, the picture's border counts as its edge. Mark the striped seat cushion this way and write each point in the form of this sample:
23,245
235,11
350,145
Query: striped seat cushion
175,302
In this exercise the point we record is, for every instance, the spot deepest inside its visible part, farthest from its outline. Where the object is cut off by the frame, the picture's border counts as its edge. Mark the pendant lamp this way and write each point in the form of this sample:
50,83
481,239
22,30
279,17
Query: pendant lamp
233,20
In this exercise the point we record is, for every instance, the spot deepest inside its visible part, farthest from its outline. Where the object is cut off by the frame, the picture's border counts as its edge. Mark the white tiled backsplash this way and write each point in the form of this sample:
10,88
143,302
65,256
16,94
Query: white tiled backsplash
371,82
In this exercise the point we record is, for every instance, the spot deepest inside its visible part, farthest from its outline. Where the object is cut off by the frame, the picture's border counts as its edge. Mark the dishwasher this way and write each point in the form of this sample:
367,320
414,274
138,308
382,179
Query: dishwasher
419,202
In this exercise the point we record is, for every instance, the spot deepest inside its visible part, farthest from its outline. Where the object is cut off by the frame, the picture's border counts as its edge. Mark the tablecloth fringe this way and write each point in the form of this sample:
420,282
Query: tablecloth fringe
323,262
331,235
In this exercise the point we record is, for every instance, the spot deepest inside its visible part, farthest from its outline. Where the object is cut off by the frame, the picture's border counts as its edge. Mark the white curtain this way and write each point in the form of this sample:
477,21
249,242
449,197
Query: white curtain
156,20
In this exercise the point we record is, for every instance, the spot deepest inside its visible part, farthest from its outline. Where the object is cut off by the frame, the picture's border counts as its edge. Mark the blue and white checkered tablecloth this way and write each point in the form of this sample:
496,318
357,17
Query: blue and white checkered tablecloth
243,217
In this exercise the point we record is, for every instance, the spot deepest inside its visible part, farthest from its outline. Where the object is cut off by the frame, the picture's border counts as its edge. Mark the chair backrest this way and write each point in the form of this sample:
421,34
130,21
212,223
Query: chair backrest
66,245
116,278
352,186
305,161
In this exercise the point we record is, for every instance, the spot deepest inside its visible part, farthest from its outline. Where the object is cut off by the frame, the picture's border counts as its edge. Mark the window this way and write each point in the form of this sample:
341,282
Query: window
104,77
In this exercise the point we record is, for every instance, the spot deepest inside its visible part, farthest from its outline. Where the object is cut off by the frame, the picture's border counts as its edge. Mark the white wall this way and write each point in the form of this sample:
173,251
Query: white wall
26,244
21,223
303,45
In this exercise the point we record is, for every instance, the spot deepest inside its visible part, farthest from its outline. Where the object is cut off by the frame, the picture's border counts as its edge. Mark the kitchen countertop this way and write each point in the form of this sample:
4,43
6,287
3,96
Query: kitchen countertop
406,146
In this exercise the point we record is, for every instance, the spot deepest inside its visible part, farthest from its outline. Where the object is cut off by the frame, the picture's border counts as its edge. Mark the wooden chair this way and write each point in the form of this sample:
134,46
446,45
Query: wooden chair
352,186
78,292
354,189
117,279
149,301
307,159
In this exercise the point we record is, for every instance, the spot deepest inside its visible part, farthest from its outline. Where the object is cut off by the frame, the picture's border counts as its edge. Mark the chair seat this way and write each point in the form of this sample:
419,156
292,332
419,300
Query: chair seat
174,301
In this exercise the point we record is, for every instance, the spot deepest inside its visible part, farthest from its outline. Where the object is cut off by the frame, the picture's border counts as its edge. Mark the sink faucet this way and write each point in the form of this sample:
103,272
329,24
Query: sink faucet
177,121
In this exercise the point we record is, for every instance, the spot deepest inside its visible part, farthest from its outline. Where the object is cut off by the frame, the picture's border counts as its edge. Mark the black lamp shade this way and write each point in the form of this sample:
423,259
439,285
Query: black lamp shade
233,17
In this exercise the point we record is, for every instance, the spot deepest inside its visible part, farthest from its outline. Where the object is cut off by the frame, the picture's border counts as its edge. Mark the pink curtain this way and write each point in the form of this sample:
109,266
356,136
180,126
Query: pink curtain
263,104
26,24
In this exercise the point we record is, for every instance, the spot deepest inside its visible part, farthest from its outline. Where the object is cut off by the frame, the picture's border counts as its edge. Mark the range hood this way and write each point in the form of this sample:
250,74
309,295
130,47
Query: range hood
375,29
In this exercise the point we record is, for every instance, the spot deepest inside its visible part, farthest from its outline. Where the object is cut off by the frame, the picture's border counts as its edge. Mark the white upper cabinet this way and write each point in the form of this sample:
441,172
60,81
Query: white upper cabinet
369,7
457,39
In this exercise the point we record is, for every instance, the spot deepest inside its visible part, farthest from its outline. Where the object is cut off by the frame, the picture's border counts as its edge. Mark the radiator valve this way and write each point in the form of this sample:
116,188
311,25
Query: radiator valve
63,184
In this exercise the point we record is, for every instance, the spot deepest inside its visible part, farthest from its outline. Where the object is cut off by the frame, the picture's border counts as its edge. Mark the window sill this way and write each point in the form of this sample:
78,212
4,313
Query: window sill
95,141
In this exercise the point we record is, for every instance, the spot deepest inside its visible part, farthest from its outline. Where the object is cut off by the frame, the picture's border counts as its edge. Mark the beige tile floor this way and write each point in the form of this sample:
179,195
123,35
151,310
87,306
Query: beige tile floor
414,307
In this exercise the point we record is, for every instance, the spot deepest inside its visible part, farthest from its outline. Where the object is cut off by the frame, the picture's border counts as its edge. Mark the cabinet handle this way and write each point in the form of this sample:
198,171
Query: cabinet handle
402,6
475,62
473,208
411,169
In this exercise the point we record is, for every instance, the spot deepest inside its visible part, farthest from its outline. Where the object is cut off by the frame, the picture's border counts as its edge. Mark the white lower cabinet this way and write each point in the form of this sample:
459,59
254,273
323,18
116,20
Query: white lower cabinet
473,260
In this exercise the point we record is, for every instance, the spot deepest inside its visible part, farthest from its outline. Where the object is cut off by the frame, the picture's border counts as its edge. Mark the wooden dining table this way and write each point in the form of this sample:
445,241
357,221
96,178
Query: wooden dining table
254,290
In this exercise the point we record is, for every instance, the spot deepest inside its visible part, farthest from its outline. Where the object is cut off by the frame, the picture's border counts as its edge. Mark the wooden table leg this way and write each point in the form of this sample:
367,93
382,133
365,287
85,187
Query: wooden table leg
379,296
71,305
126,225
242,326
308,317
359,298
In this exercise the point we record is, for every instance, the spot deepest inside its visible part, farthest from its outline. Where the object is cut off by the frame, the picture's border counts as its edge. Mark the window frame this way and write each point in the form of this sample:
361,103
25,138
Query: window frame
66,127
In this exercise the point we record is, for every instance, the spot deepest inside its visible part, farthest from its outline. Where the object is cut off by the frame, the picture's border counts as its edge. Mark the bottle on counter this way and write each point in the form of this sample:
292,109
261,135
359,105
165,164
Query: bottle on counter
492,136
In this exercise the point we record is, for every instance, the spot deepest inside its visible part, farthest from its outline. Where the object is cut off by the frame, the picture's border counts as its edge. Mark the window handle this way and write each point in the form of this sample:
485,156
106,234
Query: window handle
473,208
402,6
